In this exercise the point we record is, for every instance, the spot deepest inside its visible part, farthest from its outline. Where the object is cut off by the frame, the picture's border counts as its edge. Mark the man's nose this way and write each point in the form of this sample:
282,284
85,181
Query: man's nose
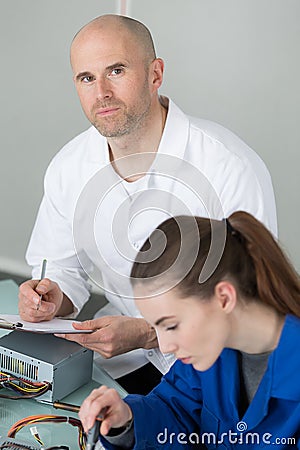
103,89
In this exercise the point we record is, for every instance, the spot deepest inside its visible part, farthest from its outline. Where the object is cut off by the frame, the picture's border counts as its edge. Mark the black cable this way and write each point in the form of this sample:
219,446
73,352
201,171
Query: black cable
14,446
61,447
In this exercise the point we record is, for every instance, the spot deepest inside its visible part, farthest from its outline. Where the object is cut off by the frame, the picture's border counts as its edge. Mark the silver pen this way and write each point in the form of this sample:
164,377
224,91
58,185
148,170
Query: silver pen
43,273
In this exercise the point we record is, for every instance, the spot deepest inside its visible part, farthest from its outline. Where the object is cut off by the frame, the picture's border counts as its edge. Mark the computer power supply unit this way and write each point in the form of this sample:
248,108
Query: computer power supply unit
46,358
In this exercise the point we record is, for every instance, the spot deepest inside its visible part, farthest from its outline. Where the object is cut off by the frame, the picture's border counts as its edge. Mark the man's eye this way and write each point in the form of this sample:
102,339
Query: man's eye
87,79
116,71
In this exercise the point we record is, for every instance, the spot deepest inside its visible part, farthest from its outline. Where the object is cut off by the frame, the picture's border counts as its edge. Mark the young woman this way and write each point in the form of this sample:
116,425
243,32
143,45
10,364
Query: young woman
224,299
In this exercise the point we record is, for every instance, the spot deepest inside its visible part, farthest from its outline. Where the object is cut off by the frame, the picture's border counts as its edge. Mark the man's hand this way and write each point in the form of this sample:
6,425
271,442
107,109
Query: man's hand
114,335
53,303
108,404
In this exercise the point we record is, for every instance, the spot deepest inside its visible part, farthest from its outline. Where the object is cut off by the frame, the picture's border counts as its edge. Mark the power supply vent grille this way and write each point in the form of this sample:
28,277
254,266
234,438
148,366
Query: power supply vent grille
12,444
19,367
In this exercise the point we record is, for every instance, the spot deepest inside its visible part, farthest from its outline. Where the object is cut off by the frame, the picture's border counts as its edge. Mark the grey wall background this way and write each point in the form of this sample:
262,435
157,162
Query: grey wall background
232,61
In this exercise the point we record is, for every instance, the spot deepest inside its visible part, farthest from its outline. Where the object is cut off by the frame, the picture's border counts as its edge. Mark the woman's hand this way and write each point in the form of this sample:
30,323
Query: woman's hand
104,403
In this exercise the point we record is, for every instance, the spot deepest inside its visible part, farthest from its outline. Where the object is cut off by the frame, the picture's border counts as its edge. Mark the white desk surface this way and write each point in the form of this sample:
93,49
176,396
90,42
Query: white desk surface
13,410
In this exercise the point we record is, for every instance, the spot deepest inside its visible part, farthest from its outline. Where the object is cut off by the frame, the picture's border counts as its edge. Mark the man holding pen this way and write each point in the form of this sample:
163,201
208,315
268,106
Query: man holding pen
141,161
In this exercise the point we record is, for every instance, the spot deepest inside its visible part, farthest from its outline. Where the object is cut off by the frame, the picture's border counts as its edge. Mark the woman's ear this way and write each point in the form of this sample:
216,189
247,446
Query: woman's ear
226,295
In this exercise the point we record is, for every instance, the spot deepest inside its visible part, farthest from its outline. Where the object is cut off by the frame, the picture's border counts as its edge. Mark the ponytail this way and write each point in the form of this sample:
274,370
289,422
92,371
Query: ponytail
277,282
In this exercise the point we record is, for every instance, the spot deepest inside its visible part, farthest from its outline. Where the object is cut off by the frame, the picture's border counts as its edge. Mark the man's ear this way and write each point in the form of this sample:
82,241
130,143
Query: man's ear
156,73
226,294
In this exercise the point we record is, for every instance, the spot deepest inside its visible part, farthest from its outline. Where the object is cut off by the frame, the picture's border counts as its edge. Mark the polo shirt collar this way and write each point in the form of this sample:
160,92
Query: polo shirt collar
176,132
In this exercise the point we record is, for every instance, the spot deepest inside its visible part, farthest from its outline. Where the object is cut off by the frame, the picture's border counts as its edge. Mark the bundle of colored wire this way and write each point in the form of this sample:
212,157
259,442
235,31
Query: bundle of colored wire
53,419
24,388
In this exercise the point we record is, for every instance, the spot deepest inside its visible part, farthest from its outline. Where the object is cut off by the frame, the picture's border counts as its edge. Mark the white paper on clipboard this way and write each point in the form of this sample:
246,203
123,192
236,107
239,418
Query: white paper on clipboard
54,326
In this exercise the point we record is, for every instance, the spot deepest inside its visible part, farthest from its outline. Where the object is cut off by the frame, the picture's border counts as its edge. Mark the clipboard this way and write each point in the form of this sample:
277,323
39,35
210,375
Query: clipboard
54,326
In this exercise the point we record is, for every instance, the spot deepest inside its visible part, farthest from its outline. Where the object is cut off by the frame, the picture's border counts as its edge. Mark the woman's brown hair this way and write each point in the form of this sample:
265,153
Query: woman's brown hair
239,249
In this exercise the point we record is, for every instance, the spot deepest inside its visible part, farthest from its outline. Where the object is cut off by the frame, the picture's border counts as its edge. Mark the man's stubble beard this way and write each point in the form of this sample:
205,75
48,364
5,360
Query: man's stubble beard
129,121
113,128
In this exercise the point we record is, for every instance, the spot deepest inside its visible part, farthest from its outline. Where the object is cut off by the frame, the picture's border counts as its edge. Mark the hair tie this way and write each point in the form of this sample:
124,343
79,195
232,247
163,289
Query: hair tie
230,228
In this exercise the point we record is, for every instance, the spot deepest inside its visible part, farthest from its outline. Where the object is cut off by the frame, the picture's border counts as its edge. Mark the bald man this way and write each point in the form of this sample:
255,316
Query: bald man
108,188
